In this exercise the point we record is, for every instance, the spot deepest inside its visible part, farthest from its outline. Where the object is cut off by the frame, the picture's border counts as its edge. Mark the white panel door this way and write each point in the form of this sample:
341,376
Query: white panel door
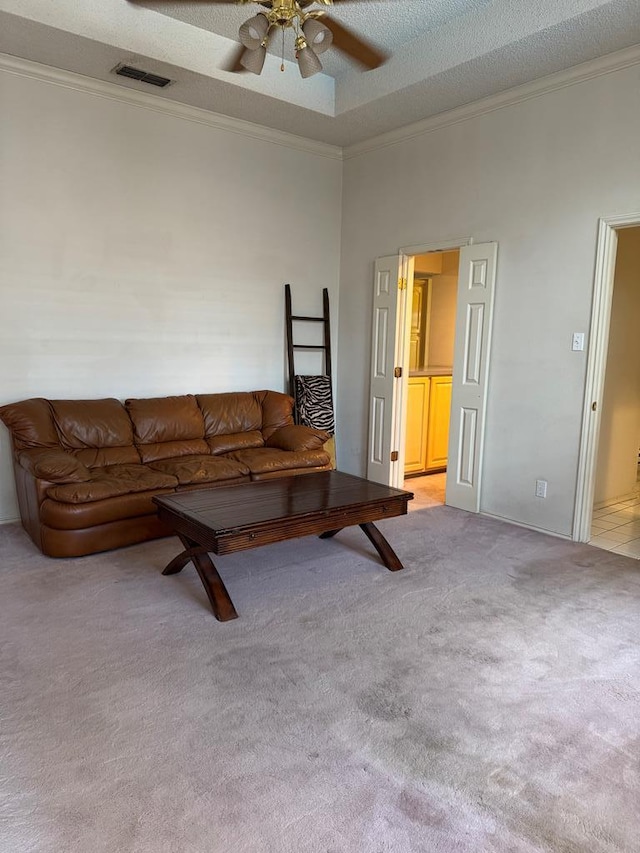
474,314
386,397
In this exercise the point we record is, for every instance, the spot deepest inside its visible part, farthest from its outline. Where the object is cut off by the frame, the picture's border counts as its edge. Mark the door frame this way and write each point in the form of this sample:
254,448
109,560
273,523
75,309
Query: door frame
401,421
606,250
404,260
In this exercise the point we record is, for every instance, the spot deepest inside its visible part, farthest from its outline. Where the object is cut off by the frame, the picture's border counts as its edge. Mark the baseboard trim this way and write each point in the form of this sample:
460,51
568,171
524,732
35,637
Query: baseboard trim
565,536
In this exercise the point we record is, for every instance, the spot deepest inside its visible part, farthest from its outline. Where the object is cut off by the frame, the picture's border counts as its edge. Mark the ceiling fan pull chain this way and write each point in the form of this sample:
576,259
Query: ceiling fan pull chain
282,63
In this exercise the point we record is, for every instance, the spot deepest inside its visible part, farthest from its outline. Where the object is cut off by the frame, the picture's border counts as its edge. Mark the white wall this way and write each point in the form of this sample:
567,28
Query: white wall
143,254
620,419
535,177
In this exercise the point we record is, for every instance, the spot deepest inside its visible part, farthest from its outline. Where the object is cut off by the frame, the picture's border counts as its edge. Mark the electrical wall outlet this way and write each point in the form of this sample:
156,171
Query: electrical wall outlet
577,341
541,488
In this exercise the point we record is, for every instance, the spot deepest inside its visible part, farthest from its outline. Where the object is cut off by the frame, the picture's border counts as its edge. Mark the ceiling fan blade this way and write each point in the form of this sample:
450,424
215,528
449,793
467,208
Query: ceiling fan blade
208,2
266,3
304,3
355,47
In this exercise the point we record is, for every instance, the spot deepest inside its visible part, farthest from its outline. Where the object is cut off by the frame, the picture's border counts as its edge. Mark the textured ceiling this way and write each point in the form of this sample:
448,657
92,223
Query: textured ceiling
443,53
387,24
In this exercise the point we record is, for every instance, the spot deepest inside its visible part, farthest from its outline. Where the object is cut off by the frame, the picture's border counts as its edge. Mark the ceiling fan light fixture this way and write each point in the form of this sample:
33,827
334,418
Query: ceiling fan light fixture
253,31
308,62
253,60
317,36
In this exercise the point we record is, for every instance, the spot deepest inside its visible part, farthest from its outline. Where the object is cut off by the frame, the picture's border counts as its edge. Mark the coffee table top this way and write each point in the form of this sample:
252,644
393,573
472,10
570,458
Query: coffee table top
227,508
225,519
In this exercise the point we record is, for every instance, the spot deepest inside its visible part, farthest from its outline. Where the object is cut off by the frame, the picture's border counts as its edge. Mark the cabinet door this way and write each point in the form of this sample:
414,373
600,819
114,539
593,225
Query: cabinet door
416,315
438,429
416,430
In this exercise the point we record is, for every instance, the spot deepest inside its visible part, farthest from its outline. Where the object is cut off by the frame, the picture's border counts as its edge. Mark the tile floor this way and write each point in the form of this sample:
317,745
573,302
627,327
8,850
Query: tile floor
428,490
616,525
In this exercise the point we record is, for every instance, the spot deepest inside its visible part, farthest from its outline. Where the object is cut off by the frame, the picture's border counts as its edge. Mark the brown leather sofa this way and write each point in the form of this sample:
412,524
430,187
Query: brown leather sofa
86,470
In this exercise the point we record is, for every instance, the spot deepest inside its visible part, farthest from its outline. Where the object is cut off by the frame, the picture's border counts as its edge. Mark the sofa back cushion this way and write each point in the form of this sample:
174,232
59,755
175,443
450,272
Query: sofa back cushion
231,421
277,411
30,423
166,427
235,441
104,432
97,432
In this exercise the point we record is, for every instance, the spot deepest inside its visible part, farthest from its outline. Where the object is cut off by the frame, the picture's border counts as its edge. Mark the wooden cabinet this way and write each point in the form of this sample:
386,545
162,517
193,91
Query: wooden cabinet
427,426
415,448
416,341
438,422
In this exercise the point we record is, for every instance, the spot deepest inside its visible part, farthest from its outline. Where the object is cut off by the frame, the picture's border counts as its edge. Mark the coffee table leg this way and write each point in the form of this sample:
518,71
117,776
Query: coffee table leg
213,584
329,533
387,554
220,599
178,563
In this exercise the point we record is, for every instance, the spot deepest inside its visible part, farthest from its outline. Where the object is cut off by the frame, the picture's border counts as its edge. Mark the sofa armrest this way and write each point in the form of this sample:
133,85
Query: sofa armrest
296,437
56,466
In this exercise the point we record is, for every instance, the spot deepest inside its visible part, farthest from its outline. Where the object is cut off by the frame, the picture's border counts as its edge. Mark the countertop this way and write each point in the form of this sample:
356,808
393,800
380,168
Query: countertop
432,371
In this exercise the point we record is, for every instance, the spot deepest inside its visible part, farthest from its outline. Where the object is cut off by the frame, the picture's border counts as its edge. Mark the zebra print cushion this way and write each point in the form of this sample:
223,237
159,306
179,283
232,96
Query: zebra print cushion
314,402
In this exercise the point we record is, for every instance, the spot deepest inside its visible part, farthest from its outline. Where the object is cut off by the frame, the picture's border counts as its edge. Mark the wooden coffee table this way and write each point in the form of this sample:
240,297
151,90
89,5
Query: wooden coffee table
232,518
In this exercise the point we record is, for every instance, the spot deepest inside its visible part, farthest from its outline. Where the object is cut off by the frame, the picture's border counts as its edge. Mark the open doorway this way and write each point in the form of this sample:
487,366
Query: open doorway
615,523
390,348
604,332
431,354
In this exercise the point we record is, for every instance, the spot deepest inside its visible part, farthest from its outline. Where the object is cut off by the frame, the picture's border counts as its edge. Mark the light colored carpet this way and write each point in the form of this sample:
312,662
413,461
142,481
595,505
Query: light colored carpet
487,698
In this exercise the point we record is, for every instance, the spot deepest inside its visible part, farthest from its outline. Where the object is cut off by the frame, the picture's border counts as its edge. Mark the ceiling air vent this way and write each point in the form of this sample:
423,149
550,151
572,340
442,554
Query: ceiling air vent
142,76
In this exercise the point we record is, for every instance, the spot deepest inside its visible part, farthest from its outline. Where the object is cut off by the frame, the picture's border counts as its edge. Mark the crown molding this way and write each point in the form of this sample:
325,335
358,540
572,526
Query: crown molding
148,101
601,66
607,64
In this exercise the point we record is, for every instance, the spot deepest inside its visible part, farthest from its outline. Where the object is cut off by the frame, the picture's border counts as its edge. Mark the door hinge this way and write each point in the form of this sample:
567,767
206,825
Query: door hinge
394,455
397,372
402,284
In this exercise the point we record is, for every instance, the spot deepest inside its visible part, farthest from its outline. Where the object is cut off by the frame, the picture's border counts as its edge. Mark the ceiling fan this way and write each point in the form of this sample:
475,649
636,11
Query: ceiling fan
312,35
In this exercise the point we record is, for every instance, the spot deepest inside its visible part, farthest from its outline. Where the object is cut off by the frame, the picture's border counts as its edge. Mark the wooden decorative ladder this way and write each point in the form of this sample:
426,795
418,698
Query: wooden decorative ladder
324,348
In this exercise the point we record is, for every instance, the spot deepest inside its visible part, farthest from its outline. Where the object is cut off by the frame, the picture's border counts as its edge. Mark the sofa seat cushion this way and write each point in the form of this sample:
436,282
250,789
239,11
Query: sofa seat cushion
172,449
111,482
201,469
263,460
